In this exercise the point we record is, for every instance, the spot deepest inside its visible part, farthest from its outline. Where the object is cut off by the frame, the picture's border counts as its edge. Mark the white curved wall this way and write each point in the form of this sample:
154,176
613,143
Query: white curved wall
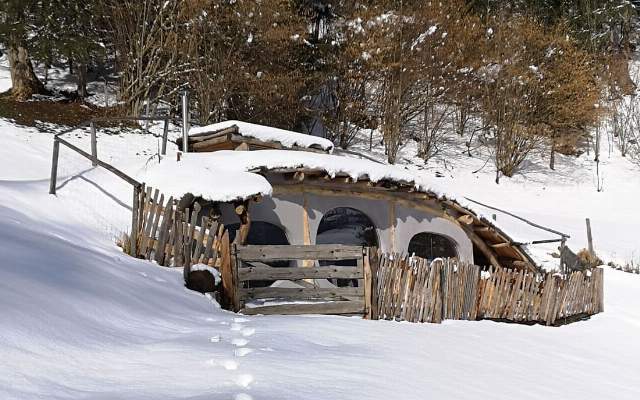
287,211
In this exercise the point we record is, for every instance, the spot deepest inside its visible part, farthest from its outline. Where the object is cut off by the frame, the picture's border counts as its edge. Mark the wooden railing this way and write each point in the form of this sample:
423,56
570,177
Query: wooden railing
251,265
96,162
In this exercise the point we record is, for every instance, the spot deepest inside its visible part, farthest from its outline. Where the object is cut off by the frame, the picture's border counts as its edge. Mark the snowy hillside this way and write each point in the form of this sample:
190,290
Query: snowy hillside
81,320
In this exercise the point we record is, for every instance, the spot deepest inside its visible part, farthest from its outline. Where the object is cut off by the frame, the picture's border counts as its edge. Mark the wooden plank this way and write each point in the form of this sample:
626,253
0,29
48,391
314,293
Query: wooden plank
209,245
300,293
152,210
154,227
197,252
260,272
163,234
299,252
228,283
338,307
368,284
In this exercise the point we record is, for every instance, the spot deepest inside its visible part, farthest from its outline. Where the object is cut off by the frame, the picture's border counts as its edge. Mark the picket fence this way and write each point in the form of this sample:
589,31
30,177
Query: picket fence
412,289
174,237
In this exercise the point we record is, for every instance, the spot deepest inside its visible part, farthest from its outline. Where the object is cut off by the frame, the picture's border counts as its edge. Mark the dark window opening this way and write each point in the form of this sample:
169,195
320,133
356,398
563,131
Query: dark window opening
348,226
431,246
480,259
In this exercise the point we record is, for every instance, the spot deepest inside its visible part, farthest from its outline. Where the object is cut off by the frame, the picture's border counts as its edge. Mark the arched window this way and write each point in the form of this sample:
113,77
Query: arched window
431,246
346,225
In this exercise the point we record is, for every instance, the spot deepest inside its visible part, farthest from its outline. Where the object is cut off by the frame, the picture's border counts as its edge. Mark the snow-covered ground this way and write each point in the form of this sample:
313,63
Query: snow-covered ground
81,320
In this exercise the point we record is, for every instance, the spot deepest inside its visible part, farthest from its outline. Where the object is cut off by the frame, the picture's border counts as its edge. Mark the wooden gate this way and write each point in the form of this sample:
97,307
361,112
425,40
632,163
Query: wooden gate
307,296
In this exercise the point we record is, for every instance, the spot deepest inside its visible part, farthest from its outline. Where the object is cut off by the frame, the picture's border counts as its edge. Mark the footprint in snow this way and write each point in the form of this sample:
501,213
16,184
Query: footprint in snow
242,351
243,396
236,326
239,342
244,380
240,320
143,274
248,332
230,365
215,339
159,279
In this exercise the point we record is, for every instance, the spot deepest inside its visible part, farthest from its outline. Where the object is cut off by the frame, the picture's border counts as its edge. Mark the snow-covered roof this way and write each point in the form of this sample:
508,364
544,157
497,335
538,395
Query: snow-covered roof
287,139
333,165
229,175
202,177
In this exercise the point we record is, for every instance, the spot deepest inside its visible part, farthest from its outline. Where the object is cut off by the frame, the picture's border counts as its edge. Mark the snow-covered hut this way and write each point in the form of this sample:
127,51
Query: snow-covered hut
287,188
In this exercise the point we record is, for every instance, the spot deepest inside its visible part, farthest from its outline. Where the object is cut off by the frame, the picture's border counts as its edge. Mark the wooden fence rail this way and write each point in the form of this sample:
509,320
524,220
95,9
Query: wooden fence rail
412,289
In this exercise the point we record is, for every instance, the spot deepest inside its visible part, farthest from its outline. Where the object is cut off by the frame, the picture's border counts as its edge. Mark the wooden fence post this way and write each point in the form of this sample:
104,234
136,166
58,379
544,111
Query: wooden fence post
135,210
54,167
590,238
368,284
94,145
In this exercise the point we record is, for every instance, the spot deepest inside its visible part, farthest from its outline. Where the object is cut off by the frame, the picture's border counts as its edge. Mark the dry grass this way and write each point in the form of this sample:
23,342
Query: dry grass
587,259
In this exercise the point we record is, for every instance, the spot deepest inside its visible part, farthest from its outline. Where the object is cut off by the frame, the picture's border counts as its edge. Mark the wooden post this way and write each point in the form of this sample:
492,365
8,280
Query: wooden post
94,145
368,285
54,167
590,238
135,210
165,136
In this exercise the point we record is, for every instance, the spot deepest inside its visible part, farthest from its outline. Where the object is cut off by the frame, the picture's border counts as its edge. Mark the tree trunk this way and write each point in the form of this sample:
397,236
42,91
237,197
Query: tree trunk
24,81
81,69
552,157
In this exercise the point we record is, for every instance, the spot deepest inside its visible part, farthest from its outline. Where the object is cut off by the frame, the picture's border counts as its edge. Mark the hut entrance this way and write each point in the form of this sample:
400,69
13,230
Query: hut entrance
346,226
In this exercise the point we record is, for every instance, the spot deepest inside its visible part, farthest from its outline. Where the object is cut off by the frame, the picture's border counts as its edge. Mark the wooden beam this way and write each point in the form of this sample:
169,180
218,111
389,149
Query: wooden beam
254,272
466,219
300,293
296,252
335,307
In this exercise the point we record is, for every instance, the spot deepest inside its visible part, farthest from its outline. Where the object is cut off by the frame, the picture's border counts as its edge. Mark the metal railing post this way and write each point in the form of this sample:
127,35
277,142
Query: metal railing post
165,136
54,167
94,145
185,120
